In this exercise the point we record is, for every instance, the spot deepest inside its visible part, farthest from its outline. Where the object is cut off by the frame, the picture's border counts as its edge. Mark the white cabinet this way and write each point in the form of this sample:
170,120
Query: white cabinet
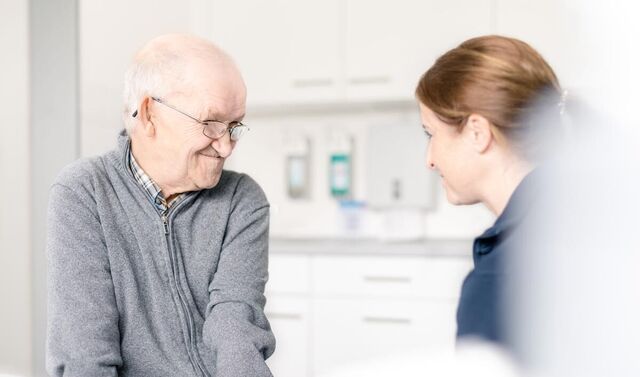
328,311
309,51
367,307
287,50
390,43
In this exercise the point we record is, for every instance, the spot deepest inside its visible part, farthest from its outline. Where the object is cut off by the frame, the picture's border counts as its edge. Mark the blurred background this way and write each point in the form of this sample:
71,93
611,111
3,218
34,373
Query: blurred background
366,255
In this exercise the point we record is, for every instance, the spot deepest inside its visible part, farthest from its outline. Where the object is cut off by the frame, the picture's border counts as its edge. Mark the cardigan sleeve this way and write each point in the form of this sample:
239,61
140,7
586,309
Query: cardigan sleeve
235,327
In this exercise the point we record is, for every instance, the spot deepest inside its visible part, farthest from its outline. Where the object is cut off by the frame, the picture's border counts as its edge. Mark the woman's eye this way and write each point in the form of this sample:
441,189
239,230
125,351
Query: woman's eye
429,135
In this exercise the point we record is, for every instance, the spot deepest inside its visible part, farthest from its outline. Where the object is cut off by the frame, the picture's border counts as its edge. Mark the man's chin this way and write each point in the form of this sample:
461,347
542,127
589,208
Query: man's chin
211,182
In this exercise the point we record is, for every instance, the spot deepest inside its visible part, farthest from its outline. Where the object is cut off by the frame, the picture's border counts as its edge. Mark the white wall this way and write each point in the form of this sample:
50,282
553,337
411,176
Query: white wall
15,277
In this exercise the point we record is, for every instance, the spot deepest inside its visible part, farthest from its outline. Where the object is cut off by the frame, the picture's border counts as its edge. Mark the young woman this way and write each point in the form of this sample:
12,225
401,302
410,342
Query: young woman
478,104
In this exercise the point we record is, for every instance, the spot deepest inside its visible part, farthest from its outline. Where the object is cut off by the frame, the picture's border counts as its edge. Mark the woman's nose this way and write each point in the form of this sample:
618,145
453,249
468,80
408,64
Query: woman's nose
430,164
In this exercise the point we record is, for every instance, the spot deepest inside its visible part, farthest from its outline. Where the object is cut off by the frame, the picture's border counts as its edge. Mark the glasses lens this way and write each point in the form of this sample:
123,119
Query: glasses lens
238,131
215,129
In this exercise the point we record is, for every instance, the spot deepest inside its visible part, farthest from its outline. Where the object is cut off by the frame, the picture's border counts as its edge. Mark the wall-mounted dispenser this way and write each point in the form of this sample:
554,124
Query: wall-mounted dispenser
298,167
341,166
397,175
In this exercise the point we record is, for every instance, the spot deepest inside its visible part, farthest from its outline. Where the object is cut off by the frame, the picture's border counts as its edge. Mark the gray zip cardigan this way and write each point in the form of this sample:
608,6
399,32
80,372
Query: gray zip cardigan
132,295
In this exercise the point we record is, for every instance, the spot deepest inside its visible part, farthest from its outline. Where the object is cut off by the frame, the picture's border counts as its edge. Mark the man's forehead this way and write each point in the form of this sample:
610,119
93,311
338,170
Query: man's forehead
224,105
211,75
210,80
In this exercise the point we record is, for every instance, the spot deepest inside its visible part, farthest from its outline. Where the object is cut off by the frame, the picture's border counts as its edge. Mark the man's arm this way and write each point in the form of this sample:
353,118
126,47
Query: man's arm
235,327
82,322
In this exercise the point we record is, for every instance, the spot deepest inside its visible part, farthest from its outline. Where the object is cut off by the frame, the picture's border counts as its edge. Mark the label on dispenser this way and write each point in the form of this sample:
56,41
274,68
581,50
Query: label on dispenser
340,175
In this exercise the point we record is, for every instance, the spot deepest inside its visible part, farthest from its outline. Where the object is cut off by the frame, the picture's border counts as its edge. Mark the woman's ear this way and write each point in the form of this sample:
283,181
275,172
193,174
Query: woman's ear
144,116
479,132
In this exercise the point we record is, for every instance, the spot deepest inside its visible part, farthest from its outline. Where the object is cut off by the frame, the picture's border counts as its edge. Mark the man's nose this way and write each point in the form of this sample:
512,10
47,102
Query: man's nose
223,145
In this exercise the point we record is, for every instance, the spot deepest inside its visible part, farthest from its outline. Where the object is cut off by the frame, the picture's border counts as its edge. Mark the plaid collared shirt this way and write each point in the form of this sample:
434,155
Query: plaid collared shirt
150,187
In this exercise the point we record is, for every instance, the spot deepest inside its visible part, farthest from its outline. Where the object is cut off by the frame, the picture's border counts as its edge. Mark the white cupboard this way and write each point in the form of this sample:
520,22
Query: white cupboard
330,310
308,51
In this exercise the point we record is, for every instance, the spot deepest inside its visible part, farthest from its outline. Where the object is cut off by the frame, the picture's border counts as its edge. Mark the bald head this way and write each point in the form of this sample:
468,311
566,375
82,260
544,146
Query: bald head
179,64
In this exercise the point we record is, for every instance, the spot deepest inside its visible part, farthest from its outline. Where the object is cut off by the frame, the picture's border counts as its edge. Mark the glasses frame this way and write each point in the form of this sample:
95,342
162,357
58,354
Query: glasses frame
209,124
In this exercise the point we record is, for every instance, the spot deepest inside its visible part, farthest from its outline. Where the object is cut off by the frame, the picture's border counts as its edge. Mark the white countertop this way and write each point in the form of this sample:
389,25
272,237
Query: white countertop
435,248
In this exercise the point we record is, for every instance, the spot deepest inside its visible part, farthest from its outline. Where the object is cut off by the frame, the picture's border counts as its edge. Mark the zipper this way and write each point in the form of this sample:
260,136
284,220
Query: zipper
195,358
165,224
185,308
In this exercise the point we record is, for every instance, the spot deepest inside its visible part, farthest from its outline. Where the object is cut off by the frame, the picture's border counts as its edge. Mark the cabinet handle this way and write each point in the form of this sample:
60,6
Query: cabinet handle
387,320
369,80
312,83
292,316
387,279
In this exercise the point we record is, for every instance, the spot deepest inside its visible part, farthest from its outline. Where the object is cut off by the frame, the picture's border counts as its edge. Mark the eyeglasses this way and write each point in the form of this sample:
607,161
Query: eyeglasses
213,129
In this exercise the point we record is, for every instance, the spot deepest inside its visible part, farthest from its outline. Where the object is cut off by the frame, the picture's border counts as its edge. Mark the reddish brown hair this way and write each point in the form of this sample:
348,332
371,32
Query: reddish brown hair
497,77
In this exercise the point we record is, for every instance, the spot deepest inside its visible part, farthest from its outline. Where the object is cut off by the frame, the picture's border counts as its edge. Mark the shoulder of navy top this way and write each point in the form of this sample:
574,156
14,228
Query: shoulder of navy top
480,312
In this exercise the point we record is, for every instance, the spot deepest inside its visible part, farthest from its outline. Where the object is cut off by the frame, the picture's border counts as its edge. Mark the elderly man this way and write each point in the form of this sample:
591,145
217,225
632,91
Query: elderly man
157,256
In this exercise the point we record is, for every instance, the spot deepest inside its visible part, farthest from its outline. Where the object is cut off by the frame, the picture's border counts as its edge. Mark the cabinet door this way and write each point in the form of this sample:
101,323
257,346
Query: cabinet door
391,43
289,318
287,50
354,331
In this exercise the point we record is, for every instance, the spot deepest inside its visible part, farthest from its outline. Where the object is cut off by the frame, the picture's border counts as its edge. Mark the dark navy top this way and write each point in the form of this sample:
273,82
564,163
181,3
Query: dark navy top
480,310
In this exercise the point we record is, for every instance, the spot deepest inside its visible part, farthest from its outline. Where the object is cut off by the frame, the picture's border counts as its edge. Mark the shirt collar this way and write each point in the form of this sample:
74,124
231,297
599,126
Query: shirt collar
517,206
148,184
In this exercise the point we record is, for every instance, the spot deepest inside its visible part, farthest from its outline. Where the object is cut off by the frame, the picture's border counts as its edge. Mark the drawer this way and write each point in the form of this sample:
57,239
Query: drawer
390,276
351,330
289,274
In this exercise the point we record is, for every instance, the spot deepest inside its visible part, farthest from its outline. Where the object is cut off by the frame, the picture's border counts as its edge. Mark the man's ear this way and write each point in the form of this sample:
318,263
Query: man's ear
479,132
144,117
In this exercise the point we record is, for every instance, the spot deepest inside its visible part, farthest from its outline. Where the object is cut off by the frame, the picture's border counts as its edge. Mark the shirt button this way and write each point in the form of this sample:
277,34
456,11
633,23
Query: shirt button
482,247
